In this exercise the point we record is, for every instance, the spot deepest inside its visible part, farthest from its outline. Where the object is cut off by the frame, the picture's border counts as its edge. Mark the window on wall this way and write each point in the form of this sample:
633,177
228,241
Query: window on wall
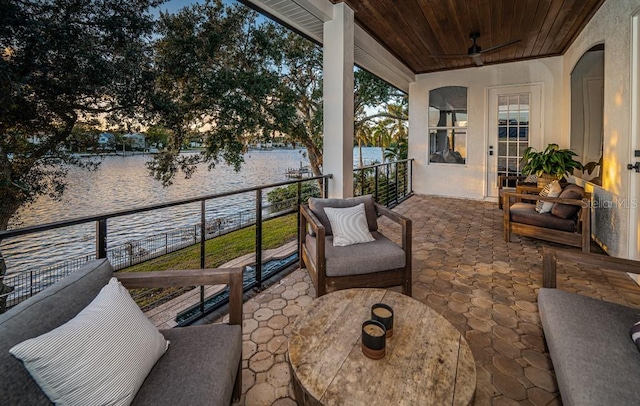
448,125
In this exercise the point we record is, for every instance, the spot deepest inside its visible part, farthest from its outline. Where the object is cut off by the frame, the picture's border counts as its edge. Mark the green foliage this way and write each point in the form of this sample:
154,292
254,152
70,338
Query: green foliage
61,61
553,161
285,197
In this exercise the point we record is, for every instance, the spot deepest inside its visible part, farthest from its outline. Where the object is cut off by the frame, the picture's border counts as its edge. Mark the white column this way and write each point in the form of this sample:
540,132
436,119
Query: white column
338,62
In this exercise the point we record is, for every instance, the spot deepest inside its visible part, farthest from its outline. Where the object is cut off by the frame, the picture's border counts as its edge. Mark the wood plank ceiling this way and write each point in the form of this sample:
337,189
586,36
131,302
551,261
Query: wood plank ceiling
413,30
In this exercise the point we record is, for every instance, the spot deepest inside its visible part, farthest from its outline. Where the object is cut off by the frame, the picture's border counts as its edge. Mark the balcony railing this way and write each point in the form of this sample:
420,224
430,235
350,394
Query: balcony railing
389,183
28,283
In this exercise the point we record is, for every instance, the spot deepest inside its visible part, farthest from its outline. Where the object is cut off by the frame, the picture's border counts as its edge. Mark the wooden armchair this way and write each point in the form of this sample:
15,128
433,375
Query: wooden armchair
381,263
504,185
161,373
522,219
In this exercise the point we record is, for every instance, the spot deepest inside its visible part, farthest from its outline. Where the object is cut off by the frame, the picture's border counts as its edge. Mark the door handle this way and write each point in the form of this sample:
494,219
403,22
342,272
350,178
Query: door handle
635,166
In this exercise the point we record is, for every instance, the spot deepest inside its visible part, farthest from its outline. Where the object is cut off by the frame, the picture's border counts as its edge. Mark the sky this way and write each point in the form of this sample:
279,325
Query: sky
174,5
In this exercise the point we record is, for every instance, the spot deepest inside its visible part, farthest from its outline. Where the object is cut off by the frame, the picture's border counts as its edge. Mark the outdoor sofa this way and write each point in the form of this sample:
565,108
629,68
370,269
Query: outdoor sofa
201,366
595,360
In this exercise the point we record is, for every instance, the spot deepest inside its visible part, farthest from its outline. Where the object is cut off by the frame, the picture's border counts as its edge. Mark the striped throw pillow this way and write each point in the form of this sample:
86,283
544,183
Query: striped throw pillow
349,225
102,356
553,189
635,334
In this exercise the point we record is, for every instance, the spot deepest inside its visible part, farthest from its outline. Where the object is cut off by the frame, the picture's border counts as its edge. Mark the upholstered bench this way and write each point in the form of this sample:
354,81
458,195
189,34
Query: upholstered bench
595,360
200,367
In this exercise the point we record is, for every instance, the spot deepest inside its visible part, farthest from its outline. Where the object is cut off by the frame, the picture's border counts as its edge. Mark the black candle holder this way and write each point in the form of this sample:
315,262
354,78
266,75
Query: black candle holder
384,314
374,337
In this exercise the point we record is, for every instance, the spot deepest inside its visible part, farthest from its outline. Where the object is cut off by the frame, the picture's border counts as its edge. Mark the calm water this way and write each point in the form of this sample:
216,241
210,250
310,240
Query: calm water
124,183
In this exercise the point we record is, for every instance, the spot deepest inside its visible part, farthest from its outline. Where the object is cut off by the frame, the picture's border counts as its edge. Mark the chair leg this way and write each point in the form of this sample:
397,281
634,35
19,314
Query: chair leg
237,387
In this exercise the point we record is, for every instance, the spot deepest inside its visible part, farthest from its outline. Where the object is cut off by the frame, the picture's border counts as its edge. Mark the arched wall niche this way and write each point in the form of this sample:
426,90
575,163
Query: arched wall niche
587,112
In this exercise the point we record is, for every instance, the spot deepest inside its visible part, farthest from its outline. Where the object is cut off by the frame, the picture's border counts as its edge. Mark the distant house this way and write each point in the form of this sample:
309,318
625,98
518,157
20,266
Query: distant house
106,141
137,140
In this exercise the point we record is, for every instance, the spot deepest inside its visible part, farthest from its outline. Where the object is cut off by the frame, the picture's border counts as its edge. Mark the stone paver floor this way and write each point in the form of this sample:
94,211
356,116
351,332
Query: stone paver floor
464,270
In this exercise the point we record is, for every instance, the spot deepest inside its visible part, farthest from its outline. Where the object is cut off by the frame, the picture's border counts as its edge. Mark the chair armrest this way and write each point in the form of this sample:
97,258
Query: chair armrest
312,220
404,222
392,215
550,258
190,277
575,202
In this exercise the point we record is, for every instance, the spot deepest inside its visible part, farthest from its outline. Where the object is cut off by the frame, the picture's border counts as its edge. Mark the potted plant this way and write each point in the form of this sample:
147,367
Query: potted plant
550,164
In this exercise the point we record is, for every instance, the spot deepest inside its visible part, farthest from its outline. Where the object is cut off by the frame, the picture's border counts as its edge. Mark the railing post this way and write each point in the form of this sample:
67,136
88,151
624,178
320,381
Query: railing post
101,239
377,174
259,238
298,207
386,202
325,188
396,165
203,221
362,182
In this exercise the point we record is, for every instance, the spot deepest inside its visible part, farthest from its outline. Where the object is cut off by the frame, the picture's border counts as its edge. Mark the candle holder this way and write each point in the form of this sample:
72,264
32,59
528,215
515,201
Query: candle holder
384,314
373,339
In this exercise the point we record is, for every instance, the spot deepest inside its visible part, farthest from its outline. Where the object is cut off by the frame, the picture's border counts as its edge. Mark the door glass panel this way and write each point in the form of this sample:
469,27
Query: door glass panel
513,131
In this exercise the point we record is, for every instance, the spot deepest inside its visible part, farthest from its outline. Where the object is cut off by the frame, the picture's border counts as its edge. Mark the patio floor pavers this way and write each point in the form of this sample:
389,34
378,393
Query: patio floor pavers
463,269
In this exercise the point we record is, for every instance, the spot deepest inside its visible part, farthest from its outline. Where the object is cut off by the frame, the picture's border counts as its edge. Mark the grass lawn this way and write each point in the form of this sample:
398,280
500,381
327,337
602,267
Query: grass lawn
219,250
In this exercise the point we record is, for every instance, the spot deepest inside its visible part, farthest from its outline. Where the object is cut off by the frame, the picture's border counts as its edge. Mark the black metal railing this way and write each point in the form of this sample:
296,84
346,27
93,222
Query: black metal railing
389,183
28,283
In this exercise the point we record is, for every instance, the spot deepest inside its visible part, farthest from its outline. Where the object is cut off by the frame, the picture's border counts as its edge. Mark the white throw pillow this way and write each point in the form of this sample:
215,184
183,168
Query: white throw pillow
100,357
349,225
553,189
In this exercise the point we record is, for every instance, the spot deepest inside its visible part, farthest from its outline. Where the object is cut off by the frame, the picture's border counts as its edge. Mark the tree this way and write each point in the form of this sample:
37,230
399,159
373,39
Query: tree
239,80
62,62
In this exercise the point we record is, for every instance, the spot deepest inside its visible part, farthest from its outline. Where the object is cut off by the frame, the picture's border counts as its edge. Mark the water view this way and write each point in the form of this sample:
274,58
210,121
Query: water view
124,183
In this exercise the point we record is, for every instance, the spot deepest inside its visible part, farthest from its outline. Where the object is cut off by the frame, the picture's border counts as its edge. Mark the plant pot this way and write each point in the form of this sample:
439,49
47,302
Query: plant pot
545,179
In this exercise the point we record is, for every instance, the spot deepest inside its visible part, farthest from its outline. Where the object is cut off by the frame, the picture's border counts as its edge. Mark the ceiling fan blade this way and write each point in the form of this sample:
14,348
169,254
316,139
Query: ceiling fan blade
493,48
450,56
478,60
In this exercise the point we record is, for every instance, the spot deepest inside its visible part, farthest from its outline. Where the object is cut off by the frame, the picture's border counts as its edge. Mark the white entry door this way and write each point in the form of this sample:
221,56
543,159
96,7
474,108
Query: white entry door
514,124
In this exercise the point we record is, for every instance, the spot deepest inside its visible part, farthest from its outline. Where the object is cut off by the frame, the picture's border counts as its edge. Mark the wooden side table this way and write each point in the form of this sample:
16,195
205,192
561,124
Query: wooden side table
427,361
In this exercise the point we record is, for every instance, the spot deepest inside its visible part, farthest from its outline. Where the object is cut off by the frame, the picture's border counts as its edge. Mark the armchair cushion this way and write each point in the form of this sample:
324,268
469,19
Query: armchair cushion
349,225
199,367
526,213
317,206
568,211
379,255
101,356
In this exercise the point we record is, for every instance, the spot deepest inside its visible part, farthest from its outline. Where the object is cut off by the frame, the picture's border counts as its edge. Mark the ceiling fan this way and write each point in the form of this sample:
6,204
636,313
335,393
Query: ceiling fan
475,51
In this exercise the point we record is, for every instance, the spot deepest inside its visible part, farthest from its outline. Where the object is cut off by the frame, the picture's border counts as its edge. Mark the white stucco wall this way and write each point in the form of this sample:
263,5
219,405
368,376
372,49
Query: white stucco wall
469,180
611,25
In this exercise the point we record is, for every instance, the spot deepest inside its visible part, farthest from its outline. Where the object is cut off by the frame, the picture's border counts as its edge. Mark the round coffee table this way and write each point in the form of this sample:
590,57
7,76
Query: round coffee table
427,361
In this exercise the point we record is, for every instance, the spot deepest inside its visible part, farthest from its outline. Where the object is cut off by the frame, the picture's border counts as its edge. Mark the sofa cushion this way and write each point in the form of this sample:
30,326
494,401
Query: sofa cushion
317,206
199,368
568,211
39,314
99,357
349,225
526,213
379,255
595,361
635,334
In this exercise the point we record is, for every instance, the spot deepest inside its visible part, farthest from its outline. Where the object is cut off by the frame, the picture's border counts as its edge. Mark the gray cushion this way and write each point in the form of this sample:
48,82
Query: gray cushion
39,314
317,206
568,211
595,360
379,255
199,368
526,213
